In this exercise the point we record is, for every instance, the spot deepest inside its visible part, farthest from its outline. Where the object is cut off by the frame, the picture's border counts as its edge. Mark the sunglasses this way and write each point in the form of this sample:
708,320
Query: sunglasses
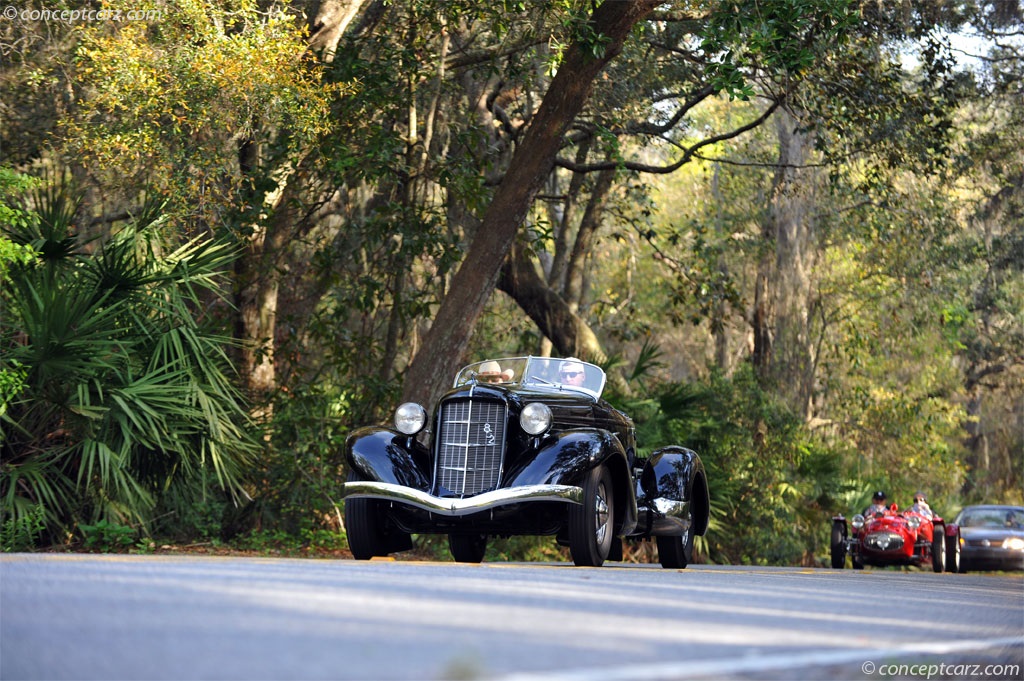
570,374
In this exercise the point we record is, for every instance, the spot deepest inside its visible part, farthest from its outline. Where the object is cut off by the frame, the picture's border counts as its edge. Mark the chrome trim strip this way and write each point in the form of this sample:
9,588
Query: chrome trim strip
460,507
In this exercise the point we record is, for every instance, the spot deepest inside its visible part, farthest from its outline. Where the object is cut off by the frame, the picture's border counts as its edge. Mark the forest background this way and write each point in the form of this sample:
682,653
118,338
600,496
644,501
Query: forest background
790,230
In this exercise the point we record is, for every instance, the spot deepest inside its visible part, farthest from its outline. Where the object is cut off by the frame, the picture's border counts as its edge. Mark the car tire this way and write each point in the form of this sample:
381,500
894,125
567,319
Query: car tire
591,525
467,548
953,563
615,554
675,553
938,549
838,545
365,526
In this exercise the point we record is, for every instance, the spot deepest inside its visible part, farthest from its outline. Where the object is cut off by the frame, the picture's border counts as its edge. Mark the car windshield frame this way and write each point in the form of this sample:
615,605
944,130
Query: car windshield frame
535,373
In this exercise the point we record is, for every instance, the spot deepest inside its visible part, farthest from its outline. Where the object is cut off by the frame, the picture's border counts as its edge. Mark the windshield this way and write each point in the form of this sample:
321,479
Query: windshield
554,373
993,517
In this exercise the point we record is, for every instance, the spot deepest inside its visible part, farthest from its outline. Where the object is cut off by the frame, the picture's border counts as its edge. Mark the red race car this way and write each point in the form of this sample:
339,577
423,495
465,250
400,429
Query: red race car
894,538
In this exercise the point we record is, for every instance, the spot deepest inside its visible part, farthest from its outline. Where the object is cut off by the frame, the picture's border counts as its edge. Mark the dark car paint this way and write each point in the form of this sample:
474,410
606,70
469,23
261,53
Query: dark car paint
976,555
670,472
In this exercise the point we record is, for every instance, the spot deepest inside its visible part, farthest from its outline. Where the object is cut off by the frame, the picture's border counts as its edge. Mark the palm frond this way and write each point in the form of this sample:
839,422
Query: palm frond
124,395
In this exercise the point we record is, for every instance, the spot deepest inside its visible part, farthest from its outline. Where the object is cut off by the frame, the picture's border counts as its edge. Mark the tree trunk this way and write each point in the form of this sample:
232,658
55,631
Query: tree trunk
783,350
448,337
257,282
257,275
976,442
570,335
329,24
573,289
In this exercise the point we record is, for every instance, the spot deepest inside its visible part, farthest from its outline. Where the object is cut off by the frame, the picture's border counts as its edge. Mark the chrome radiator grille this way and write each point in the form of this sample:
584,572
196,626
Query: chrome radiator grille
470,446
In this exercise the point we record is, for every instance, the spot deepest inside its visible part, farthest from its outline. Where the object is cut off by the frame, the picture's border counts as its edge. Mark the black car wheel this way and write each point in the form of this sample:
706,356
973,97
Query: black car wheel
676,552
467,548
366,529
591,525
938,549
953,553
838,545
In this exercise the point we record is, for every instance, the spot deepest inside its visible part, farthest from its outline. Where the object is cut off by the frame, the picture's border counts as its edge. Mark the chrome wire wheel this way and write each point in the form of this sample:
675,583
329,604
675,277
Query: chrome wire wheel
591,524
602,514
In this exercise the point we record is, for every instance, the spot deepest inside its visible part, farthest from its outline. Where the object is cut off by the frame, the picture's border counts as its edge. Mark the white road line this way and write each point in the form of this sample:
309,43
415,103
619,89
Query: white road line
755,663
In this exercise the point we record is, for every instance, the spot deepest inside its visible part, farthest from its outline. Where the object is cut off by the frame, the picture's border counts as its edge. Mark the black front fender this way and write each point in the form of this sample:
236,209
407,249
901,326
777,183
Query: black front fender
383,455
566,458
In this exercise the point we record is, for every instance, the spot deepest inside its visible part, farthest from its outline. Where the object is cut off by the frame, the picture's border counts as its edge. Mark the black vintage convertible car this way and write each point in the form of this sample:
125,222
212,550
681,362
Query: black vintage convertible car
521,446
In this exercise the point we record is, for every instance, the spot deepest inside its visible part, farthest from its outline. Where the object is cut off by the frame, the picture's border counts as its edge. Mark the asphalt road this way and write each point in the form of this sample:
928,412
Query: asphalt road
156,617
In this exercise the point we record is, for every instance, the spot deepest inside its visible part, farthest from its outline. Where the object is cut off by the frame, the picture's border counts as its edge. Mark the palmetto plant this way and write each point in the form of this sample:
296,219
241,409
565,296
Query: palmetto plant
122,394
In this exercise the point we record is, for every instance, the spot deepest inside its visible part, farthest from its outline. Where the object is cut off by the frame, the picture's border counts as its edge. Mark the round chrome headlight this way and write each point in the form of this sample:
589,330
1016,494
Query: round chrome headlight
913,522
410,418
857,521
535,418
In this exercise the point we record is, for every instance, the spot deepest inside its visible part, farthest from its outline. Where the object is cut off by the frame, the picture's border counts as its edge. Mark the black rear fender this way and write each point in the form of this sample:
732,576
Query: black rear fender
677,473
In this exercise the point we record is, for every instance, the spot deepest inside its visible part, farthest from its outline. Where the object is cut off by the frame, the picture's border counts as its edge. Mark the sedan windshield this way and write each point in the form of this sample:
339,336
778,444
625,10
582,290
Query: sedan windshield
993,517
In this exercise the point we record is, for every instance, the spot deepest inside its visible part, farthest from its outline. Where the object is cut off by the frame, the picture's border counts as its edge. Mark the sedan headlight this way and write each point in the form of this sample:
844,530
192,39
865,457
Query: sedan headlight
535,418
857,521
1013,544
410,418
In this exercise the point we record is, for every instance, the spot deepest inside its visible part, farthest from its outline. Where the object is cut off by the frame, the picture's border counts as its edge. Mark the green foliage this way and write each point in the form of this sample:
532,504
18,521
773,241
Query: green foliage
115,397
779,36
12,373
107,536
772,484
300,479
22,532
123,394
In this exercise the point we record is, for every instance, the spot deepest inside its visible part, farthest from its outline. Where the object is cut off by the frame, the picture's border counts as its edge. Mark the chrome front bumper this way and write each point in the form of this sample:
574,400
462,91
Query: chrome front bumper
460,507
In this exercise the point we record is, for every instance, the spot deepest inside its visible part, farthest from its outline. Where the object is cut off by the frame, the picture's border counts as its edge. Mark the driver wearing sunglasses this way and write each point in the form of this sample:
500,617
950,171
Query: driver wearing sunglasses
570,372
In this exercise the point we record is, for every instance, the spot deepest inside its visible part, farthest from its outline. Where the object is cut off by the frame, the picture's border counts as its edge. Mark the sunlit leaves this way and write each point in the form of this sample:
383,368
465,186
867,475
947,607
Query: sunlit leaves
165,105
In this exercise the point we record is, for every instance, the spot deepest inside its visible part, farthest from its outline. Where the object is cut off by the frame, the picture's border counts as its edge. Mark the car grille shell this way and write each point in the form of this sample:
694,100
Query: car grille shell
470,446
884,541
